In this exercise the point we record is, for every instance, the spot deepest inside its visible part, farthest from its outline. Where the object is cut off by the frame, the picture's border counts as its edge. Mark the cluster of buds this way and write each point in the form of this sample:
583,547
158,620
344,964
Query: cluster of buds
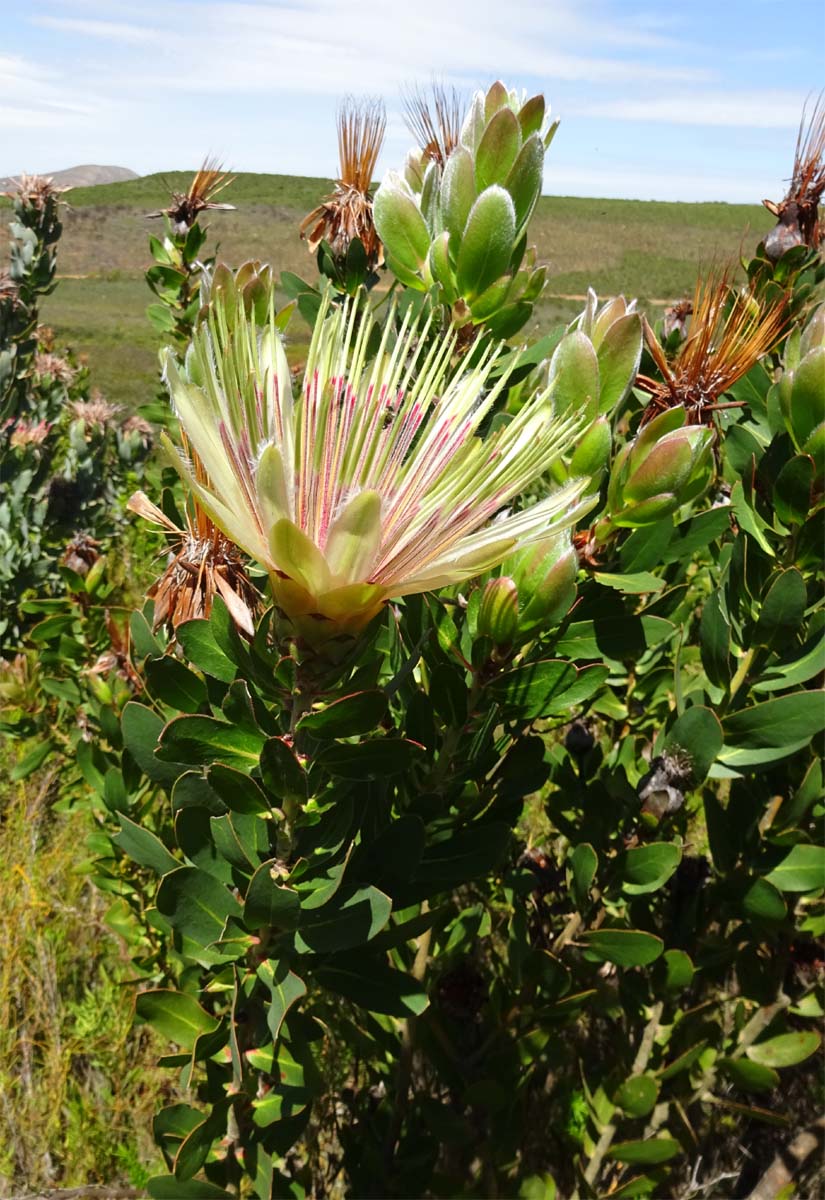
668,464
457,218
802,391
536,588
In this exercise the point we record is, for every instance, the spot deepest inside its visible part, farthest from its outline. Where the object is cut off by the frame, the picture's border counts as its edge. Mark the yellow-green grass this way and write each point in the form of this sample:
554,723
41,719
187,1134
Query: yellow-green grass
649,250
78,1086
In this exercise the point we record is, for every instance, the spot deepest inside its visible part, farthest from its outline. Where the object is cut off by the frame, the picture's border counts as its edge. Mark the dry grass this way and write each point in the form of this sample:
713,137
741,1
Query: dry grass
77,1086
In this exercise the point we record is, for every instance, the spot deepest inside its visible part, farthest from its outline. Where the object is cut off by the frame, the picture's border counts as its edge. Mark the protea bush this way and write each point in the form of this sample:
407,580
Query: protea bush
458,787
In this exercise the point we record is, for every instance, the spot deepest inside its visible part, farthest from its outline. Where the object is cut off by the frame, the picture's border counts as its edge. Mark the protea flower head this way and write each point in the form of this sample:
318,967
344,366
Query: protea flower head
729,331
347,212
375,482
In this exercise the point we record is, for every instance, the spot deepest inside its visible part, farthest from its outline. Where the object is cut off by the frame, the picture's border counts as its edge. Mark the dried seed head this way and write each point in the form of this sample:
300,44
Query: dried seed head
186,207
730,329
434,120
347,212
798,214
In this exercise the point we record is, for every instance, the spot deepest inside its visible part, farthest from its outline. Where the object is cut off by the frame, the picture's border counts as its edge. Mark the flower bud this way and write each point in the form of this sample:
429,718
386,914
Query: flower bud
802,398
498,613
592,454
546,578
667,465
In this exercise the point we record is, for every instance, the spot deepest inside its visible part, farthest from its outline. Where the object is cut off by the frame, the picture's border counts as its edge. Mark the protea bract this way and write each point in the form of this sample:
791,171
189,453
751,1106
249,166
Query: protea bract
375,482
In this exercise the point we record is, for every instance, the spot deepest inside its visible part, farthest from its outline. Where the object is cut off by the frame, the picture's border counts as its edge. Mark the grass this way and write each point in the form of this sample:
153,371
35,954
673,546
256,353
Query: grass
646,249
78,1086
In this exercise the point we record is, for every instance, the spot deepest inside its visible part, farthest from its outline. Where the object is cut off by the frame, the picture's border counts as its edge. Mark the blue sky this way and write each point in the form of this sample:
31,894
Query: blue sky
690,100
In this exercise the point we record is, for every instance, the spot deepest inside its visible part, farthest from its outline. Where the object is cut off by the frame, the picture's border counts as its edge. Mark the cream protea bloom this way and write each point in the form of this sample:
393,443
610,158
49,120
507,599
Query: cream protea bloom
374,483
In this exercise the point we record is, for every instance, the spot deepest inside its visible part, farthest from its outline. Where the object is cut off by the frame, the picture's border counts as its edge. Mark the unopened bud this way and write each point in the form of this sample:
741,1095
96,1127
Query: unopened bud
498,613
545,575
667,465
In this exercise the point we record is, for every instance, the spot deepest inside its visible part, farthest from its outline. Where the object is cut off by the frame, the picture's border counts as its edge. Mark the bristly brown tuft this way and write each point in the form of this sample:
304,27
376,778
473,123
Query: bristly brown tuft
729,331
204,563
37,189
347,212
434,120
185,207
798,214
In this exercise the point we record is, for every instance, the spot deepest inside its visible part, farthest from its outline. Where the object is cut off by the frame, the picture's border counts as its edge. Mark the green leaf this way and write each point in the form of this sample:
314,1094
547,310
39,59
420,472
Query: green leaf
167,1187
537,1187
400,224
624,947
373,758
195,1147
143,847
697,733
529,690
498,148
458,194
801,870
144,642
176,1015
525,179
202,650
619,355
574,376
351,715
199,741
785,721
268,903
786,1050
637,1095
286,989
792,489
242,839
467,854
614,638
679,970
749,1076
373,985
790,671
783,608
652,1150
714,639
685,1060
341,926
197,904
142,728
487,243
638,584
764,902
584,863
171,682
282,774
647,868
32,761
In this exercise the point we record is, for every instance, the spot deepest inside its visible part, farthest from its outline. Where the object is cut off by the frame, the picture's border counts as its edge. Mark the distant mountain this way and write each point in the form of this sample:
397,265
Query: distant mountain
84,176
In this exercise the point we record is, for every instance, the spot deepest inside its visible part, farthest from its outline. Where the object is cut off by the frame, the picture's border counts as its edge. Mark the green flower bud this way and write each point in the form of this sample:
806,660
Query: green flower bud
545,575
498,613
802,398
667,465
592,454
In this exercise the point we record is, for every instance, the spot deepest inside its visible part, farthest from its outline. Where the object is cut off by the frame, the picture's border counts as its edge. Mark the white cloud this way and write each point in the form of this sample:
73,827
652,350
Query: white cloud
758,110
